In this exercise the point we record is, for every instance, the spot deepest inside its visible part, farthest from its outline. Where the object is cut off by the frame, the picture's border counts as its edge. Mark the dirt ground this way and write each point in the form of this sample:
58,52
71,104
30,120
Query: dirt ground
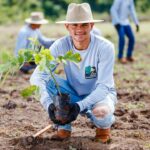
20,118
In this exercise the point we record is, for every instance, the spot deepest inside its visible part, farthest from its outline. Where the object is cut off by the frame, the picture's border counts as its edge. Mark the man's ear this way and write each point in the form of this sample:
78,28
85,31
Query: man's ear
92,25
66,25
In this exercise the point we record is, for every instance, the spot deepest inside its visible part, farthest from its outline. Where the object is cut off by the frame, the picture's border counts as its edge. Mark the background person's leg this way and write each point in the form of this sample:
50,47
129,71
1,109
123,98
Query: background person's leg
130,35
121,43
27,67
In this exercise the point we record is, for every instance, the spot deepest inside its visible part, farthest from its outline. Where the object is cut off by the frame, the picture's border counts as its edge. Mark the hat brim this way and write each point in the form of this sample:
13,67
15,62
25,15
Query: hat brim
74,22
44,21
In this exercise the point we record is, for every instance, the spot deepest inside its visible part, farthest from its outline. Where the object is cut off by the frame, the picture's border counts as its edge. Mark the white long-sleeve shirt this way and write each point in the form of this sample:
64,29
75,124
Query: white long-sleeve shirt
96,31
93,76
121,10
27,32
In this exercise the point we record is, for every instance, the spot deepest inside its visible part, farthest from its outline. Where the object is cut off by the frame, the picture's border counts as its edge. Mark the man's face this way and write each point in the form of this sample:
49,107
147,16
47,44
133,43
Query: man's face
35,26
79,32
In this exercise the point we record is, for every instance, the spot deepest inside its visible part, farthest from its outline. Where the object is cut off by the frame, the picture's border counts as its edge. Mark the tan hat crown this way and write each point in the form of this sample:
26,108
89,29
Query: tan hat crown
36,18
79,13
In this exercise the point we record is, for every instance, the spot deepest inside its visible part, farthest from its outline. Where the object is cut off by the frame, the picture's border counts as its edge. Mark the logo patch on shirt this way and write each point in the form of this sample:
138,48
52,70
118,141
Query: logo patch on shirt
90,72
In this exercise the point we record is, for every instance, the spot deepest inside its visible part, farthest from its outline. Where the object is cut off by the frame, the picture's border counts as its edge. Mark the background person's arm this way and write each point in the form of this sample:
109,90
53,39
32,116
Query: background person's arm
114,11
46,42
134,15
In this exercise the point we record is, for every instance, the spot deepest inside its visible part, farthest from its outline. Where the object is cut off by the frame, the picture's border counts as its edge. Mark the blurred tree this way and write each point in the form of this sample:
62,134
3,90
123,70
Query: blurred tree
51,9
143,5
20,9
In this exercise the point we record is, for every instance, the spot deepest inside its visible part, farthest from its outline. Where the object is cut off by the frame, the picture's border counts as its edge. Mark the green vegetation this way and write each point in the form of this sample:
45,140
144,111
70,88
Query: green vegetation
132,106
29,91
42,58
53,9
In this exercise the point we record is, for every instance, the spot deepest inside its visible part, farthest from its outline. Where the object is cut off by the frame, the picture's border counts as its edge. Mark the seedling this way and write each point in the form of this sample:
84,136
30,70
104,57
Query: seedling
47,63
42,57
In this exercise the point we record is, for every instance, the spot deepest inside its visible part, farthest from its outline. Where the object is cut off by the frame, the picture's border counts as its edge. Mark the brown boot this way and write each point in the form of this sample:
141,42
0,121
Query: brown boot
61,135
122,60
102,135
130,59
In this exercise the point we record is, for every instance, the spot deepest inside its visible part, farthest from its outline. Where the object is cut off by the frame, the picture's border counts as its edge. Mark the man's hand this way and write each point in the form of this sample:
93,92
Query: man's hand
74,111
51,112
118,26
137,28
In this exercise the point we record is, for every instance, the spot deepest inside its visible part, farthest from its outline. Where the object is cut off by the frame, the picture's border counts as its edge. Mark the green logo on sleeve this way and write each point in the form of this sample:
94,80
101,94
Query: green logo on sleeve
90,72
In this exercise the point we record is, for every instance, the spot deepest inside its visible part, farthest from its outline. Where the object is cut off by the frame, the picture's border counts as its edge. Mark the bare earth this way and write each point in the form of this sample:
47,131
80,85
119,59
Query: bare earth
20,117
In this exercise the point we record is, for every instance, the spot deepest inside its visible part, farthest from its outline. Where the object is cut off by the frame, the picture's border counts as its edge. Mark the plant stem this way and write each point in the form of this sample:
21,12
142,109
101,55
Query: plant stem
57,86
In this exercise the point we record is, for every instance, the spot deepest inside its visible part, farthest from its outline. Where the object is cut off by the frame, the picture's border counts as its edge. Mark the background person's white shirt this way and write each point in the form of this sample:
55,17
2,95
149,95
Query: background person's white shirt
121,10
25,33
96,31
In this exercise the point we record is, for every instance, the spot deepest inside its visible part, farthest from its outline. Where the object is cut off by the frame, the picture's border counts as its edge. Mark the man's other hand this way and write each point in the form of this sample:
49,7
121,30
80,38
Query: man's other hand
118,26
137,28
74,111
51,112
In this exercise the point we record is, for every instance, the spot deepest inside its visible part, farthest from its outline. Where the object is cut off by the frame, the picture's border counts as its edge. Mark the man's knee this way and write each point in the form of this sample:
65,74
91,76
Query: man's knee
101,111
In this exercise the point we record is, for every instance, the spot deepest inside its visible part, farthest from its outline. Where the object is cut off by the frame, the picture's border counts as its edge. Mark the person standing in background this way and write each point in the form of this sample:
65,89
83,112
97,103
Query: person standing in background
120,12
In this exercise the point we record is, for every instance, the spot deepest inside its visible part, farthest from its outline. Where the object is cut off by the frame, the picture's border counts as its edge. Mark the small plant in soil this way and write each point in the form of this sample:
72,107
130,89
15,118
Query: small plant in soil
46,62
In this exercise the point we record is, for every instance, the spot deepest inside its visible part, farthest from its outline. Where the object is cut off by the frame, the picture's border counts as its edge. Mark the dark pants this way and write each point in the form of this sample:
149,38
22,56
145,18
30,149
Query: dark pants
125,30
27,67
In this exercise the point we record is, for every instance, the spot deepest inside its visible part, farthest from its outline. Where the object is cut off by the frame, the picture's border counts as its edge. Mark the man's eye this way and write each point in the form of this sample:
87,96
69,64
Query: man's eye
74,25
85,24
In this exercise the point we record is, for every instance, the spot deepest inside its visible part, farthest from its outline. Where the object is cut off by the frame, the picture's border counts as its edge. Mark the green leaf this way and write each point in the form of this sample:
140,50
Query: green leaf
14,62
72,57
68,54
21,59
42,64
59,59
29,91
47,54
25,55
28,55
37,58
4,67
5,57
50,66
33,40
76,57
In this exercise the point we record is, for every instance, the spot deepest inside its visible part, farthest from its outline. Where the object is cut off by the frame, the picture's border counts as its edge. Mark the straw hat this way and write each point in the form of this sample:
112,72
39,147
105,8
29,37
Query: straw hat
36,18
79,13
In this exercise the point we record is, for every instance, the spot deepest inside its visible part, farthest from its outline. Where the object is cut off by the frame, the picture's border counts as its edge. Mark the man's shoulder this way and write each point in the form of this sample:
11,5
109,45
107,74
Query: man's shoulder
103,45
63,40
103,41
63,44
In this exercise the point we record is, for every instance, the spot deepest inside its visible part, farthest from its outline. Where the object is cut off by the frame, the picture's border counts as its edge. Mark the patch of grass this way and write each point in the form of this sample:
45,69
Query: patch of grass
147,145
4,56
131,106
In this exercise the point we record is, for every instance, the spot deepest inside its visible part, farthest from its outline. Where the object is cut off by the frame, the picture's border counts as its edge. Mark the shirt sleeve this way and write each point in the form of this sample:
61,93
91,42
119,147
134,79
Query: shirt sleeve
41,79
46,42
133,13
105,79
21,42
114,11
